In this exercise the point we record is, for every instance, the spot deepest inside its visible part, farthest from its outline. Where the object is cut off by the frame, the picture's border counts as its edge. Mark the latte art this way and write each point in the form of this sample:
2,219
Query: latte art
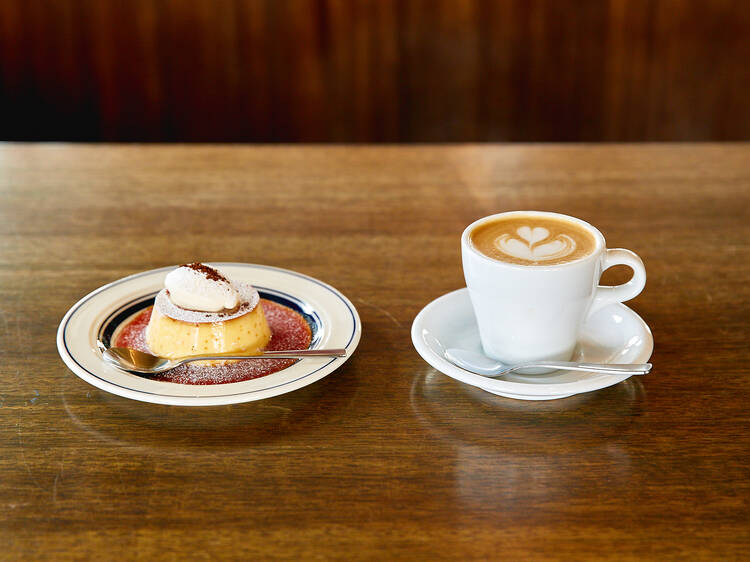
535,244
533,240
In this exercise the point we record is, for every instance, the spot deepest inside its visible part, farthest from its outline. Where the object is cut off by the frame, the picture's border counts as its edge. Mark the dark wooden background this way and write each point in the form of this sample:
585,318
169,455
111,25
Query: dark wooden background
374,70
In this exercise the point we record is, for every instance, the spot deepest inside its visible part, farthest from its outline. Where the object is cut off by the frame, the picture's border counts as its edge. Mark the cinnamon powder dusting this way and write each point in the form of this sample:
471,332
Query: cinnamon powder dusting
289,330
208,272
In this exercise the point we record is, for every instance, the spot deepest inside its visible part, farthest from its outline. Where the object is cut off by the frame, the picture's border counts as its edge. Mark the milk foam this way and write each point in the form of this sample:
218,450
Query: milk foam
534,239
535,244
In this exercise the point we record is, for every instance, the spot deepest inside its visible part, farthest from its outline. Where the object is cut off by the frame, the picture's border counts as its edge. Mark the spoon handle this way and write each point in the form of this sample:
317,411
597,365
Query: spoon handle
607,368
285,354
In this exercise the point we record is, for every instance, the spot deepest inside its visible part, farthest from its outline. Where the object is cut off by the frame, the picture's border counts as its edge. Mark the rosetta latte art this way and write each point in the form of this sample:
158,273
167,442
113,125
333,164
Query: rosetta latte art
535,244
534,240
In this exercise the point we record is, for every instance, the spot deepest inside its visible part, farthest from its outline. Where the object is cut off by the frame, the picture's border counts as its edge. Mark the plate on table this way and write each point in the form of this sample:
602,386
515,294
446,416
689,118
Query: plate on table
333,321
614,334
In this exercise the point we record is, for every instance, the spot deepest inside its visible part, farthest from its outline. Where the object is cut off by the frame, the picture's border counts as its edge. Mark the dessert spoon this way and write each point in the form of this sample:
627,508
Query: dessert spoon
143,363
482,365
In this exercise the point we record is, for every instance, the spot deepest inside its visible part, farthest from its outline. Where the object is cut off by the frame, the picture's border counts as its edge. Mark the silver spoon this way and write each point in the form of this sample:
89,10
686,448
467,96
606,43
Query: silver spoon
482,365
142,363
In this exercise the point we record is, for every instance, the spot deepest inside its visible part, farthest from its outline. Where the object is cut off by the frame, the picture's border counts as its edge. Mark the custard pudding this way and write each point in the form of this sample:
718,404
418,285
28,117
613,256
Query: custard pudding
201,312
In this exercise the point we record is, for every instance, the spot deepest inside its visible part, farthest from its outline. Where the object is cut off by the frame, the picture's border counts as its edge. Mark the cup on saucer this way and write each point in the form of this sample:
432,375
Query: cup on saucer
533,280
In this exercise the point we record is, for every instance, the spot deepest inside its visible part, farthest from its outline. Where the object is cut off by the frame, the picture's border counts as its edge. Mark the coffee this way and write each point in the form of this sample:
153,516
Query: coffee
532,240
528,312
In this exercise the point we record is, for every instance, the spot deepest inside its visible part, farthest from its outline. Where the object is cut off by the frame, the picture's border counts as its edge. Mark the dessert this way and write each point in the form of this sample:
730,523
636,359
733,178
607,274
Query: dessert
201,312
236,320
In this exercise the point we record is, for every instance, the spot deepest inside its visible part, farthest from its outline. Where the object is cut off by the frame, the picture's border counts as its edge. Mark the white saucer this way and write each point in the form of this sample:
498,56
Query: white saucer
332,317
614,334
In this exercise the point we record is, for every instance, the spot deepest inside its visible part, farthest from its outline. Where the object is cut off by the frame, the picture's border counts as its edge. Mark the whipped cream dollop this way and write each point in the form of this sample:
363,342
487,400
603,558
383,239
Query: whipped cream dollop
202,288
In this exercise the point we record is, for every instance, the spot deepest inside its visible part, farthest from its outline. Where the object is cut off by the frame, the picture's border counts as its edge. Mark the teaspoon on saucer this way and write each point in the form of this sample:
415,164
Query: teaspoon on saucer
135,361
483,365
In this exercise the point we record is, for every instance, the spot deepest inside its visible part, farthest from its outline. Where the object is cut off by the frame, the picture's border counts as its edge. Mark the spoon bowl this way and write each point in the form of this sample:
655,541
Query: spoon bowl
134,361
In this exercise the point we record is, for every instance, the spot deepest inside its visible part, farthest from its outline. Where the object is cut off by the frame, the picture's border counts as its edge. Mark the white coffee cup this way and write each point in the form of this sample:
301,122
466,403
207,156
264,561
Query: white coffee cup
535,312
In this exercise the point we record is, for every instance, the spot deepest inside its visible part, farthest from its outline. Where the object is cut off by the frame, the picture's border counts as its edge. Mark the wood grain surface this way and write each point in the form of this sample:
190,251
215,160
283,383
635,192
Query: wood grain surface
385,458
374,70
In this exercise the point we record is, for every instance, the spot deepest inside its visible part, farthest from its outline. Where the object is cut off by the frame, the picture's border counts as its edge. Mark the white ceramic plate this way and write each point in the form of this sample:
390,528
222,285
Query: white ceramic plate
333,319
614,334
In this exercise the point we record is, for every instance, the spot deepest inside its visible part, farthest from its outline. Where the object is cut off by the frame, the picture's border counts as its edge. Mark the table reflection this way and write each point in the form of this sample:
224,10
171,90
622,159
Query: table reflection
518,454
175,430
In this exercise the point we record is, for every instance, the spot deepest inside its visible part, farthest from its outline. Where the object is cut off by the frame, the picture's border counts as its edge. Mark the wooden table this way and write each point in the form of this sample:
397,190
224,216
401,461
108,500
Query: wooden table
385,458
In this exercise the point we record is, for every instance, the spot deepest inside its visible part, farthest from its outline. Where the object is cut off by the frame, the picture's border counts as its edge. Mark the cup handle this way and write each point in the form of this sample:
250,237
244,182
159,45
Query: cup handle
620,293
